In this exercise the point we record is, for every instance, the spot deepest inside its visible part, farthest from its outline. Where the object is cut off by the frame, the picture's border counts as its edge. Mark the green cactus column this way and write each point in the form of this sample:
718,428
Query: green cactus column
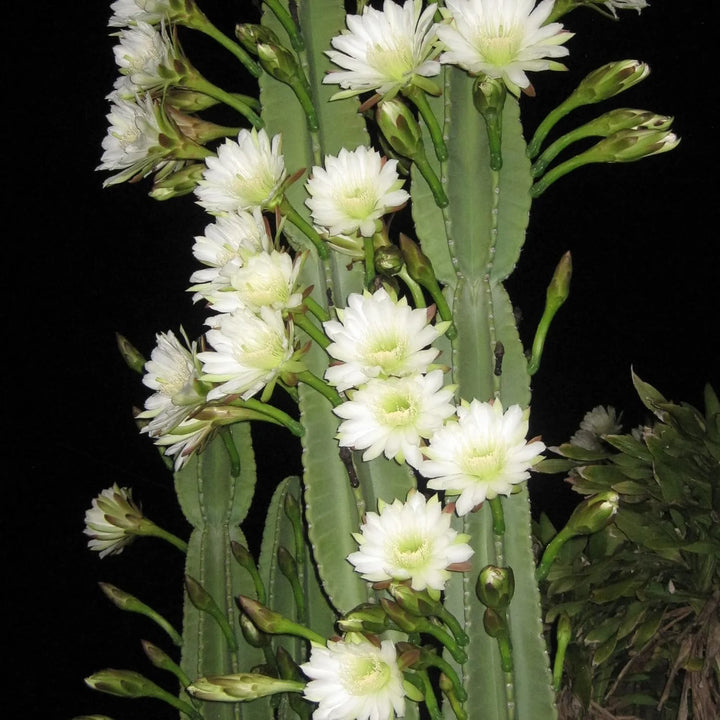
474,245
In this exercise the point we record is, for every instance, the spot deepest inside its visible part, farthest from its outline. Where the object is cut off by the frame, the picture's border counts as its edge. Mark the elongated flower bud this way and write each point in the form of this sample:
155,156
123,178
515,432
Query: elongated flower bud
241,687
399,126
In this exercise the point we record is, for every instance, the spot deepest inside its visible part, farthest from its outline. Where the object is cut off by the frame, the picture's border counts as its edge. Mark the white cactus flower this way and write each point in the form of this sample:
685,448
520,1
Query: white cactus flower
355,681
353,191
379,336
502,39
482,455
391,416
383,50
410,541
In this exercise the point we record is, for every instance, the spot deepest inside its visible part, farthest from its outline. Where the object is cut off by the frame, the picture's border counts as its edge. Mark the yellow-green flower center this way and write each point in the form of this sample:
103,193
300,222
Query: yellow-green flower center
502,47
365,675
399,409
484,463
410,552
392,62
387,353
358,202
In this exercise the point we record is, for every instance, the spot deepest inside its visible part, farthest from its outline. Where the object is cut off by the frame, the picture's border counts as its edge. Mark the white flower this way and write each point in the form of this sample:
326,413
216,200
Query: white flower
409,541
173,372
264,280
355,681
132,145
246,173
353,191
143,53
249,352
503,39
391,415
110,520
596,423
189,436
379,336
130,12
383,50
482,455
229,242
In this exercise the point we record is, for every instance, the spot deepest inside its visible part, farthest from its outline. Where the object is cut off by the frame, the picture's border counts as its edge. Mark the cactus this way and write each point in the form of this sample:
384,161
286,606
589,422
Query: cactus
247,626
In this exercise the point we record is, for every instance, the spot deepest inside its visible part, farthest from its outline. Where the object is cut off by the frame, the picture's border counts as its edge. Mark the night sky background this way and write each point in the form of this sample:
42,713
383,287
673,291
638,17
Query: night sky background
87,262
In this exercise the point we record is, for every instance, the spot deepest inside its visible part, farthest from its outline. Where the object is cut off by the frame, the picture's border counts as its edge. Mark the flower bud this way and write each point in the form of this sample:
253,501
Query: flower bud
593,513
418,264
250,35
489,100
279,62
130,354
559,287
412,601
634,144
389,260
609,80
494,623
241,687
400,617
495,586
367,617
399,127
123,683
178,183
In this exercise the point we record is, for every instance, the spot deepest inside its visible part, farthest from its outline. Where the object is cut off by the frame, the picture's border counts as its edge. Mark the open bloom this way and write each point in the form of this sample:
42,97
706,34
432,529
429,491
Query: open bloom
249,351
355,681
132,146
111,519
482,455
267,279
353,191
246,173
503,39
130,12
392,415
383,50
173,372
379,336
409,541
229,242
145,55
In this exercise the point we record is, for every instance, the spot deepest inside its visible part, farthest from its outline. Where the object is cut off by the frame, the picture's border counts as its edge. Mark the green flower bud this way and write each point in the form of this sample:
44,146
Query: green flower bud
404,620
634,144
594,513
495,586
130,354
494,623
274,623
412,601
178,183
559,287
367,617
250,35
389,260
252,634
399,127
241,687
418,264
279,62
489,99
608,81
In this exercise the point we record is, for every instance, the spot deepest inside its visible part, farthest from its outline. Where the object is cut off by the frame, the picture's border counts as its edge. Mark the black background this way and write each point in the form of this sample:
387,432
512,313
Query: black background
87,262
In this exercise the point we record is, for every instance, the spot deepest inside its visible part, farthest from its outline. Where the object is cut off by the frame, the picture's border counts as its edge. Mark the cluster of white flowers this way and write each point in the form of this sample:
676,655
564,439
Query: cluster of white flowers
396,399
388,51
